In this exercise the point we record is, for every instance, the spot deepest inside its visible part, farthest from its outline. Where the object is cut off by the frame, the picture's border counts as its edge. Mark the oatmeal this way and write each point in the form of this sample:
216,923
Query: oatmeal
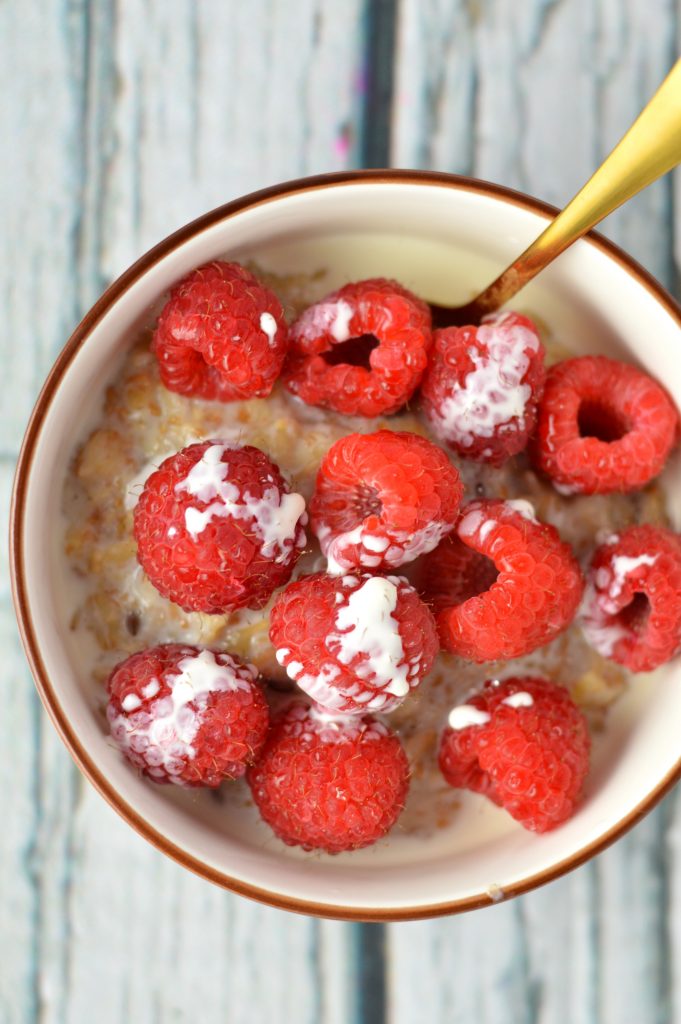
142,423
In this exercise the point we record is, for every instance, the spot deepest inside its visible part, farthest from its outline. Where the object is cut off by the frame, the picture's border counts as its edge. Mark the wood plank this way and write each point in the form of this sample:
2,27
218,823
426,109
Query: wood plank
481,90
19,901
127,120
672,853
461,969
214,100
534,96
152,942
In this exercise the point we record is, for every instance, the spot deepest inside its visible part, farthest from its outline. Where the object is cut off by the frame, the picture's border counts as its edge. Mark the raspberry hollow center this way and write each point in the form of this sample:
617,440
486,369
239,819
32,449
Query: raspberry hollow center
366,503
635,615
353,352
481,574
598,420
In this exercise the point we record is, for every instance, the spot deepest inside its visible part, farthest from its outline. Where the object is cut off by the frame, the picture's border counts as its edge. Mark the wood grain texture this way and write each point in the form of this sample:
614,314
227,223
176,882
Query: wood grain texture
125,121
534,96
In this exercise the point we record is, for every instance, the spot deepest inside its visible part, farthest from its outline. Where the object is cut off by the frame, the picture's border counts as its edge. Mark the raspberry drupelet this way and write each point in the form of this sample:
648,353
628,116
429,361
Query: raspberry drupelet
480,391
603,426
354,643
188,716
221,335
217,527
383,499
503,584
328,782
631,611
524,744
360,351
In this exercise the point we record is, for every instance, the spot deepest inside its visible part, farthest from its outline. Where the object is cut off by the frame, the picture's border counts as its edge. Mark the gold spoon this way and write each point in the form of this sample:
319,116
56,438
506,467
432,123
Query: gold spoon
650,148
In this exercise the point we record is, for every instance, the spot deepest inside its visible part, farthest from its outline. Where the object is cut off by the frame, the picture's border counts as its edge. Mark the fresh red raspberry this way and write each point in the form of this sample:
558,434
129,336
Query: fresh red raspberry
480,391
603,426
221,335
533,598
354,643
217,527
383,499
329,782
187,716
332,363
524,744
632,603
454,574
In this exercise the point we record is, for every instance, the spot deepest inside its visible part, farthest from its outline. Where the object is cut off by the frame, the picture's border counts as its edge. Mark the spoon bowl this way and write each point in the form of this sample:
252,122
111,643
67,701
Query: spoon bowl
650,149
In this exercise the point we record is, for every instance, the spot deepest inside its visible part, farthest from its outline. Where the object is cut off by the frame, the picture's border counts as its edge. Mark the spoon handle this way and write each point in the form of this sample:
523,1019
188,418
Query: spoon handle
650,148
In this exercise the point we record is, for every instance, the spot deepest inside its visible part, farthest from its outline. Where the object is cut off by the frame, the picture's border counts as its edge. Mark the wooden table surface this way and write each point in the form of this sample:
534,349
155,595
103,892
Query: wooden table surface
120,121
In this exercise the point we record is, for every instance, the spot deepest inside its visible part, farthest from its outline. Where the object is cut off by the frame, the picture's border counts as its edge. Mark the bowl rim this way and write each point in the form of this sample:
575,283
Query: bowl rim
27,628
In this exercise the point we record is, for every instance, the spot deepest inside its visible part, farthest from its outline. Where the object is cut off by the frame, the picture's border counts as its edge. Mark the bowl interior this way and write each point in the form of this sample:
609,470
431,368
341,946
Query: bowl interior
443,241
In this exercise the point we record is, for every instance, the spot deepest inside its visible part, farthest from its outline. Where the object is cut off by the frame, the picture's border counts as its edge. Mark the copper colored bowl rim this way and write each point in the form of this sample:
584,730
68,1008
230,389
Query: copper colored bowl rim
27,628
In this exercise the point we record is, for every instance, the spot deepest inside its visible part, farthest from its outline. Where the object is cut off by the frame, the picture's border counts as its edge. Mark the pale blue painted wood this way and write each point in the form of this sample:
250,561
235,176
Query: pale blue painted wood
125,121
122,122
534,96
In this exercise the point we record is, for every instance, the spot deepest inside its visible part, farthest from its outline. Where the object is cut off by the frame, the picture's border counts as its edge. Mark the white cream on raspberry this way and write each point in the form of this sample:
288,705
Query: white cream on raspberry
333,547
366,626
339,723
163,735
521,699
407,547
601,630
323,690
523,508
277,515
326,318
320,686
471,521
492,393
151,689
476,521
375,544
610,579
622,567
394,550
268,325
333,727
465,715
330,726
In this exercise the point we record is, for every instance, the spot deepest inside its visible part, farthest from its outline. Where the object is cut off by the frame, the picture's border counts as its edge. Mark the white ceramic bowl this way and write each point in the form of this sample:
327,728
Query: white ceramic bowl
444,237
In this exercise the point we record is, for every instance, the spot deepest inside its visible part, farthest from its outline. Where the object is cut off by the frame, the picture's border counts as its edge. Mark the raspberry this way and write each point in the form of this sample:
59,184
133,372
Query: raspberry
481,388
603,426
383,499
217,527
632,603
332,362
533,598
454,574
354,643
328,782
524,744
221,335
187,716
